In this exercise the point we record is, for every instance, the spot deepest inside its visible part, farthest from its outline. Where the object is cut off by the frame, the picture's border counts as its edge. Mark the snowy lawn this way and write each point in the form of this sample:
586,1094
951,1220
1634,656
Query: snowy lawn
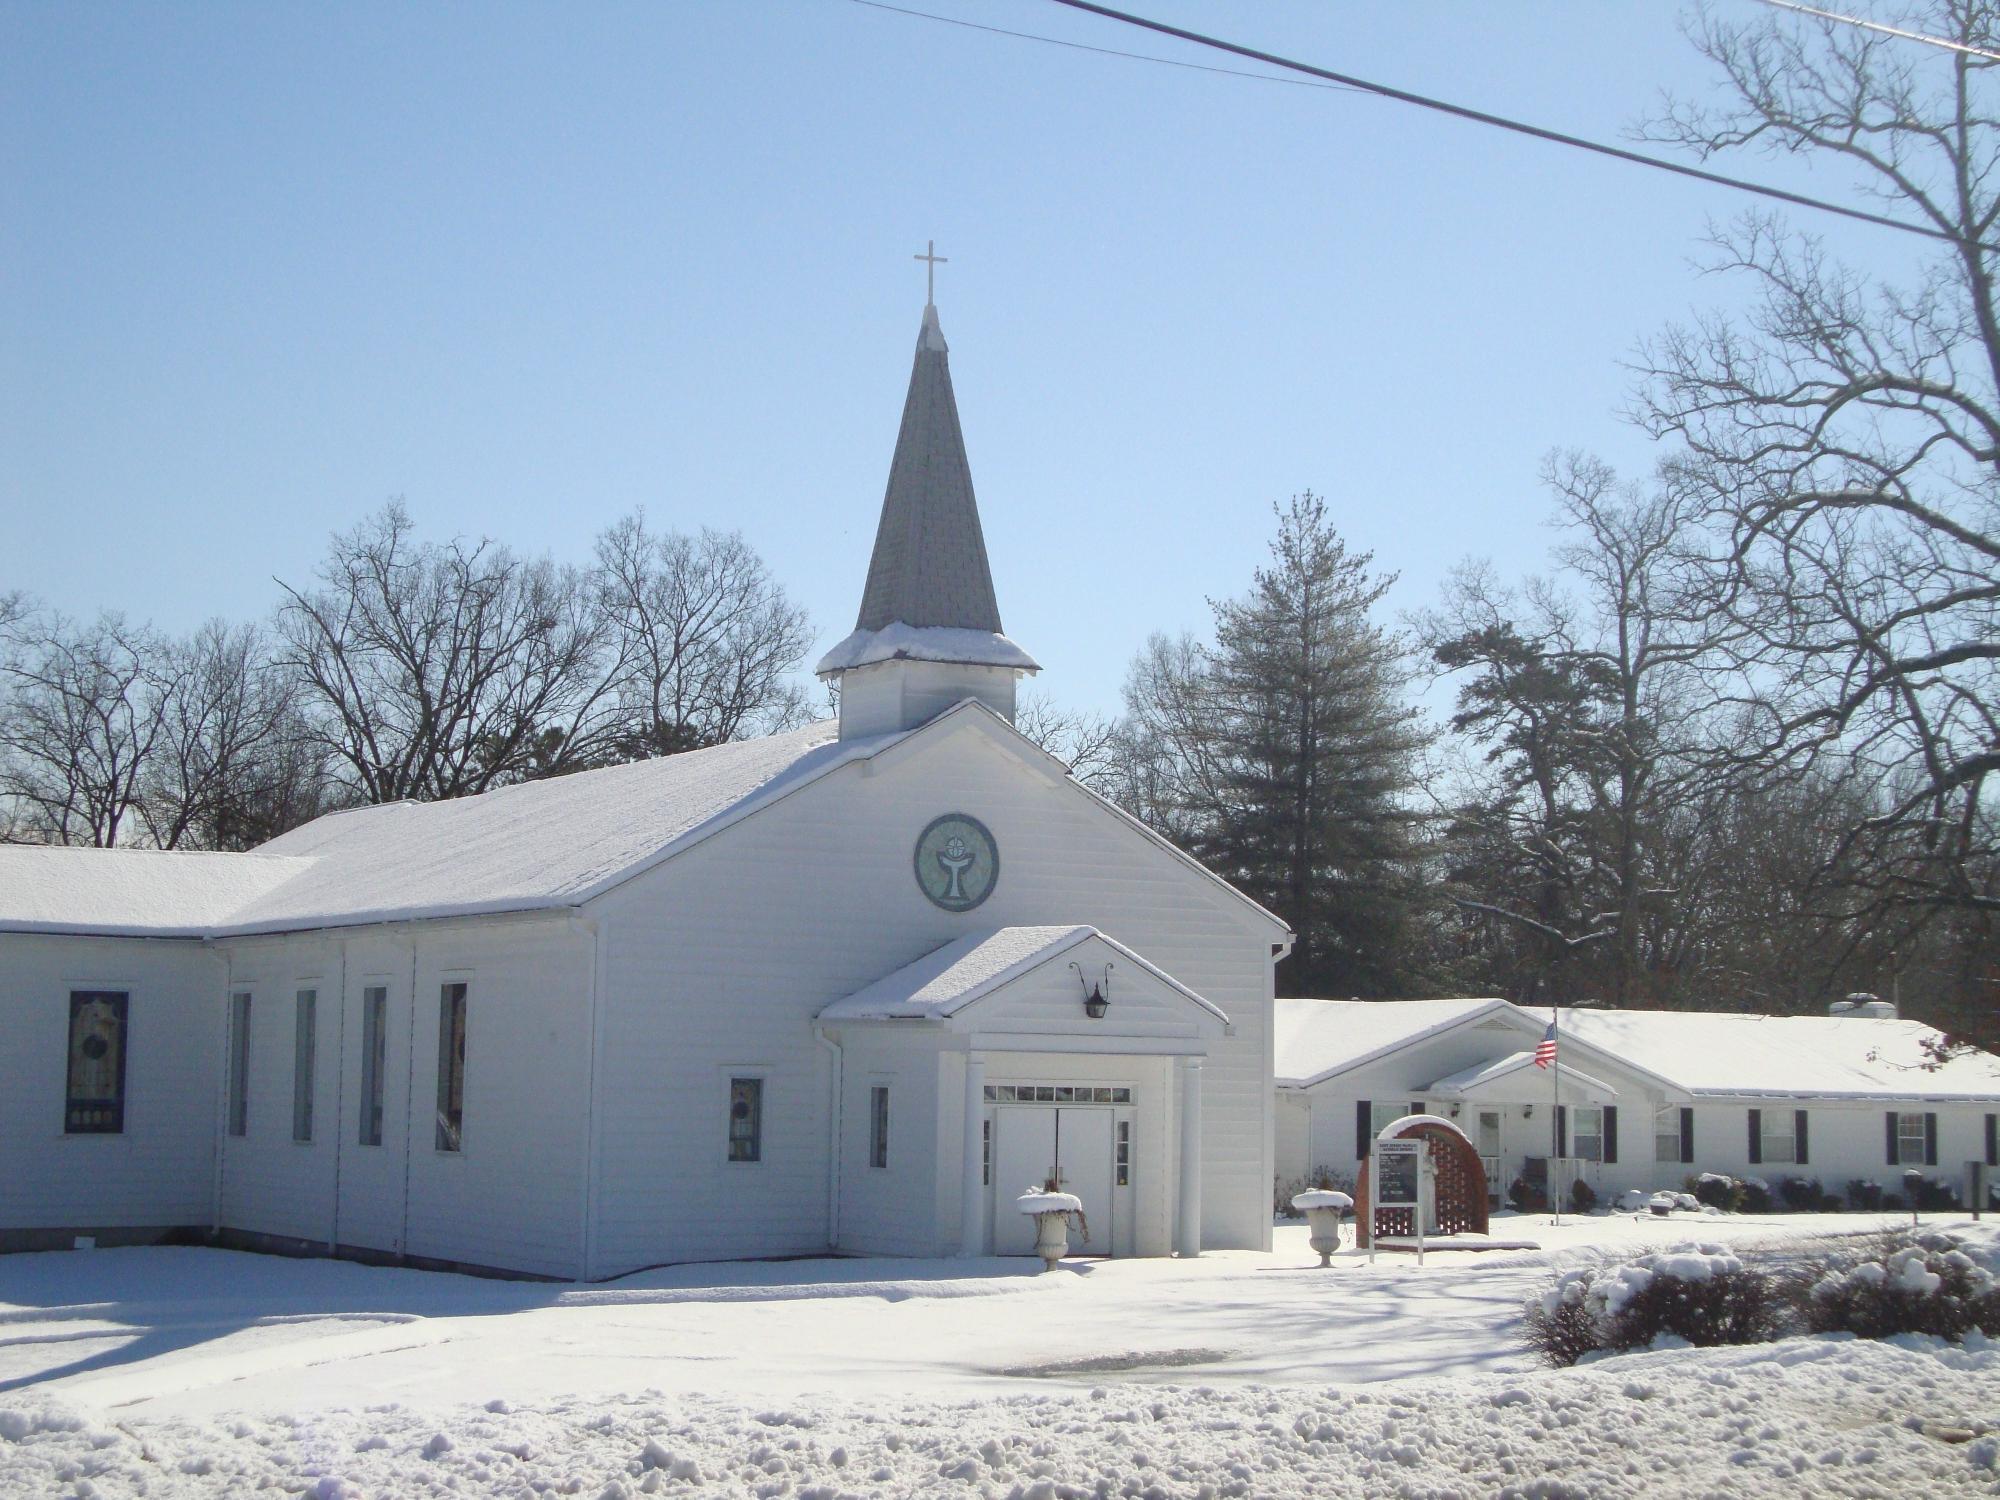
164,1372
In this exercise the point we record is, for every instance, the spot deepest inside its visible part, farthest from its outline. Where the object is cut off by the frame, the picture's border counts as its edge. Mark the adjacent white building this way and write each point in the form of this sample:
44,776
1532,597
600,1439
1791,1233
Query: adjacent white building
848,988
1636,1098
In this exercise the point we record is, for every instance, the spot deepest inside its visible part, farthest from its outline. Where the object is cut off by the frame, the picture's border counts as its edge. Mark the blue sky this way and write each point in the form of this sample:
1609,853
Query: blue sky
529,266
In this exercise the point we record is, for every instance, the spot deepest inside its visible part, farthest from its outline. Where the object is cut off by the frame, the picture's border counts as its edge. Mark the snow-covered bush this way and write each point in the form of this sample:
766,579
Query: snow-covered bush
1527,1197
1907,1283
1934,1195
1717,1191
1700,1294
1864,1195
1756,1196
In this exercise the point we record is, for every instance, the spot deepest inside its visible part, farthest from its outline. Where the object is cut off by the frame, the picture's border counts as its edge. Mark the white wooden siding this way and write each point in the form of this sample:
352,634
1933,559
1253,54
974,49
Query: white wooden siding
727,952
158,1173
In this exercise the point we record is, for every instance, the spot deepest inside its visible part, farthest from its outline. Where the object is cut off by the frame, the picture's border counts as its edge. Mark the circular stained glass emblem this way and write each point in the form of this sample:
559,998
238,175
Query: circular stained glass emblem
957,862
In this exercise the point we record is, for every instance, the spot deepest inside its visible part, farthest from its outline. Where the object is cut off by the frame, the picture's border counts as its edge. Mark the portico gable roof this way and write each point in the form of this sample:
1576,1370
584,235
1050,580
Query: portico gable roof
947,984
1515,1077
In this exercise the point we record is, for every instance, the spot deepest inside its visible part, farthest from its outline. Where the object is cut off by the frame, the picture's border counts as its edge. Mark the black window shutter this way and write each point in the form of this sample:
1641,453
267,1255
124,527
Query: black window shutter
1799,1128
1562,1130
1892,1137
1687,1136
1364,1111
1756,1137
1416,1106
1930,1139
1993,1140
1611,1133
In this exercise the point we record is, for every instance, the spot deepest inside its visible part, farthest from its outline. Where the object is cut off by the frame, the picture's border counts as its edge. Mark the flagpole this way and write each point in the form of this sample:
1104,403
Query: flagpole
1555,1110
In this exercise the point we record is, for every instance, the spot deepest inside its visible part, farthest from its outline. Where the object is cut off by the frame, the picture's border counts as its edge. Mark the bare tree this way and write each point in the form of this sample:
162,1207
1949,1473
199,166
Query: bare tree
1086,742
1845,437
233,766
433,670
83,713
706,641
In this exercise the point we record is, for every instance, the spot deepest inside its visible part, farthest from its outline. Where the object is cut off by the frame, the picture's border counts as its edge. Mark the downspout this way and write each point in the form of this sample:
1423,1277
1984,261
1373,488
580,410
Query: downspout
837,1122
595,927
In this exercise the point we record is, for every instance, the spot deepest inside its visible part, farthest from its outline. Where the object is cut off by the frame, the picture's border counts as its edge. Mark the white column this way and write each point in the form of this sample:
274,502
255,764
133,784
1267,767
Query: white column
1188,1242
972,1202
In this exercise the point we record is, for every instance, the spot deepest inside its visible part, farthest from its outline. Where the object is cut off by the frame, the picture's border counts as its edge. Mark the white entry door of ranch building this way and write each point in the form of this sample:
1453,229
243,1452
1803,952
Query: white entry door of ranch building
1009,1059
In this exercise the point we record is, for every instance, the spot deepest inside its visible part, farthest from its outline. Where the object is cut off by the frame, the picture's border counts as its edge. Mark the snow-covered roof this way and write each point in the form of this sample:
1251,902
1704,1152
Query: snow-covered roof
538,845
131,892
1315,1039
1709,1053
897,641
946,980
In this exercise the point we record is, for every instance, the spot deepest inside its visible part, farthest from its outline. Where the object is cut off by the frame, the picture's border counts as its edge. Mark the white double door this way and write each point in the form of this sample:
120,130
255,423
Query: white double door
1036,1143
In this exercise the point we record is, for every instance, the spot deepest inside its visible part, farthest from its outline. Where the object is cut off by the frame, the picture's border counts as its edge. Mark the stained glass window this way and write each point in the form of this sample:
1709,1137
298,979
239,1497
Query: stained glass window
96,1063
746,1119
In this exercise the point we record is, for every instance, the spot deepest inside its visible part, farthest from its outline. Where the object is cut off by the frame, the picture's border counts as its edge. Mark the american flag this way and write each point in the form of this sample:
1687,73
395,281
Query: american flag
1545,1049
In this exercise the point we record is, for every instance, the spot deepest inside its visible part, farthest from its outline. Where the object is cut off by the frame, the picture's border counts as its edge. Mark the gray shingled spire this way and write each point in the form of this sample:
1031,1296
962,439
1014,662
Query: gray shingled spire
929,567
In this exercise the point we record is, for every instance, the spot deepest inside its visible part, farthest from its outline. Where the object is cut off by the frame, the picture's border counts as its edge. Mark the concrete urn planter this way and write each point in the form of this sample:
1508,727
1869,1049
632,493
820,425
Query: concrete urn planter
1323,1208
1051,1212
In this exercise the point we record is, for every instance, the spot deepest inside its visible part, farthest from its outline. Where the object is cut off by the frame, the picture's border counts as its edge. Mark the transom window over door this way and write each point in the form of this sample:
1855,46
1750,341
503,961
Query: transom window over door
96,1089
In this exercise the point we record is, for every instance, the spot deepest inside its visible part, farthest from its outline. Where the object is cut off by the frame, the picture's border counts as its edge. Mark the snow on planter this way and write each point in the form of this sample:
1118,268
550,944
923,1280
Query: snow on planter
1034,1201
1051,1211
1321,1198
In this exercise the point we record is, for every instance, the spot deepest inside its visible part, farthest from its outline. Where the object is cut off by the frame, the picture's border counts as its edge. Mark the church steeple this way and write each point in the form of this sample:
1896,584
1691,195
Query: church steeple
928,633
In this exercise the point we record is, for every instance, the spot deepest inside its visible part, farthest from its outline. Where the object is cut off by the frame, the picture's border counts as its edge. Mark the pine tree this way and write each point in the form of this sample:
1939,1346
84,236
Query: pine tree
1316,754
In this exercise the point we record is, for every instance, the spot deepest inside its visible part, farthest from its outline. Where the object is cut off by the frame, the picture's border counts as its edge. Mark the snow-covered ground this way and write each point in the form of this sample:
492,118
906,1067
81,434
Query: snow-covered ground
170,1372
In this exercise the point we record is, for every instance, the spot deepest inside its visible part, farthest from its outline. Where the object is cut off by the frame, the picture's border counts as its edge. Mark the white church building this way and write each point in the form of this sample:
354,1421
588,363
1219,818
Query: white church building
851,988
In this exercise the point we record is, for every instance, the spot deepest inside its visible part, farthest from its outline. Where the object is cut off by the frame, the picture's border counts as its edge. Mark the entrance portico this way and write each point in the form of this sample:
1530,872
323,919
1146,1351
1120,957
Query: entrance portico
1029,1053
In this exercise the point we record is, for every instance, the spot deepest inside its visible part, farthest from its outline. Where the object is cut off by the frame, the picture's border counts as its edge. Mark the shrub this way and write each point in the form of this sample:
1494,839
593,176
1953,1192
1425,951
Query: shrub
1804,1195
1754,1196
1697,1293
1908,1283
1582,1196
1527,1197
1863,1196
1717,1191
1934,1195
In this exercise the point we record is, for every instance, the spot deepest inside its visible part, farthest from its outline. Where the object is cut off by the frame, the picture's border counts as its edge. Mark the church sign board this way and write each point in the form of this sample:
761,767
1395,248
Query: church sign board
1396,1181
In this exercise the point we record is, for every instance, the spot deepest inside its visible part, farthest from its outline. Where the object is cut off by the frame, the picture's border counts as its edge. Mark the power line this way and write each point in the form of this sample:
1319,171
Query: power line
1520,127
1896,31
1056,41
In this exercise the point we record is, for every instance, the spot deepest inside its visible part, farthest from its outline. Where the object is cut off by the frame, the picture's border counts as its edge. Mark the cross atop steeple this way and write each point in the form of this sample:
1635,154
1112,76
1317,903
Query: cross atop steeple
934,260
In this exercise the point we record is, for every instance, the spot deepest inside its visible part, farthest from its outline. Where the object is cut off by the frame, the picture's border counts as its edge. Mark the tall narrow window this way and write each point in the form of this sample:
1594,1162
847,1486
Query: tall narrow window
239,1063
305,1037
878,1126
451,1068
1124,1153
746,1119
986,1152
374,1057
96,1063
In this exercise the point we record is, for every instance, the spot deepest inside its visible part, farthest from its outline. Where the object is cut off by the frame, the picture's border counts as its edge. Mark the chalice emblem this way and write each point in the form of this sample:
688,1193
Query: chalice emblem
955,858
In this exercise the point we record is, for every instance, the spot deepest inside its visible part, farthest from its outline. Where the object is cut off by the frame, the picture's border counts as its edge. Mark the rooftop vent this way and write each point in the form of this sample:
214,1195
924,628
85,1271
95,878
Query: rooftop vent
1865,1005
